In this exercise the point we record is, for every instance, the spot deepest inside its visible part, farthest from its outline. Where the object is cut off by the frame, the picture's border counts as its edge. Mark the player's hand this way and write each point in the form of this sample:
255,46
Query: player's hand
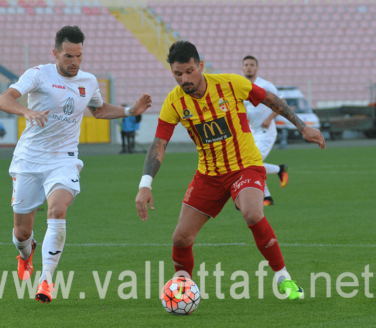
313,135
39,117
144,196
266,123
141,104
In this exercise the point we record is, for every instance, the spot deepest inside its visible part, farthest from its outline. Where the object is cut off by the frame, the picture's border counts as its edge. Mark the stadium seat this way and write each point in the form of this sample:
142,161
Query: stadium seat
304,37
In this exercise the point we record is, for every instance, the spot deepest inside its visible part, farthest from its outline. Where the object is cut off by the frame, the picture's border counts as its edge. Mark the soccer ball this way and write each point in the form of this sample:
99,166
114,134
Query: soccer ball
180,296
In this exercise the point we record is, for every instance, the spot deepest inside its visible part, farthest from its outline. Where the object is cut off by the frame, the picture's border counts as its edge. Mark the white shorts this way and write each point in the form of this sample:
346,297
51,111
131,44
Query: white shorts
264,142
33,182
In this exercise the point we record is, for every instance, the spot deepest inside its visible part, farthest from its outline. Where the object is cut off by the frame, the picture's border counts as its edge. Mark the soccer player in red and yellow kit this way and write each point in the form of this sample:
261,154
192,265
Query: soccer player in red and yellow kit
210,107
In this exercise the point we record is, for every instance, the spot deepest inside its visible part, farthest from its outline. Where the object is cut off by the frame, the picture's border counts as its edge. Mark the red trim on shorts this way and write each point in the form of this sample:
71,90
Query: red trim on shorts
164,130
212,150
224,144
231,124
256,95
244,122
182,100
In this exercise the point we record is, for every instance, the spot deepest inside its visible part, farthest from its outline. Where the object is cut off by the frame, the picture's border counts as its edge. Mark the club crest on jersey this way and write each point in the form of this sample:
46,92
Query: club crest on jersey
82,91
223,104
69,106
186,114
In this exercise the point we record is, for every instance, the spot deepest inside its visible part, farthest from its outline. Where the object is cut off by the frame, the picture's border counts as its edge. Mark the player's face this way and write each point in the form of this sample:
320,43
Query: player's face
69,58
249,68
188,75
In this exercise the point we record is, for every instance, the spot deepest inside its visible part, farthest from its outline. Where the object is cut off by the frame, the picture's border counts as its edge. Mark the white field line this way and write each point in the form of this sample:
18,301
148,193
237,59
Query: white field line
209,245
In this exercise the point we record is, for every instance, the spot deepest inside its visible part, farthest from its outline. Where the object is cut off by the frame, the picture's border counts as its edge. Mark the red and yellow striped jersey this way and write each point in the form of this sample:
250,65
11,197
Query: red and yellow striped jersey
217,122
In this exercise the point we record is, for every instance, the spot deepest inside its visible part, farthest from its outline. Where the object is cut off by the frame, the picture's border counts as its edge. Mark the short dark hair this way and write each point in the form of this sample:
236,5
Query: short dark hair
250,57
182,52
68,33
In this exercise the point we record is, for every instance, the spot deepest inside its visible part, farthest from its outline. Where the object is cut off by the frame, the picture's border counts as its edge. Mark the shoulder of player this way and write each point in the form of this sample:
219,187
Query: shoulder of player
175,95
267,85
218,78
86,75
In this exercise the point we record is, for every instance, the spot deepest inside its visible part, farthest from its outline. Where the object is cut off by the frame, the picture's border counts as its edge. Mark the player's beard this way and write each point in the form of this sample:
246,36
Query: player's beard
249,76
66,73
189,92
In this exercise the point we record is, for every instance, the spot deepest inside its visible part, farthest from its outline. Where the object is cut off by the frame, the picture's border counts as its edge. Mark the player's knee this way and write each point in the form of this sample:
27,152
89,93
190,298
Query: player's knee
57,212
22,233
182,240
253,217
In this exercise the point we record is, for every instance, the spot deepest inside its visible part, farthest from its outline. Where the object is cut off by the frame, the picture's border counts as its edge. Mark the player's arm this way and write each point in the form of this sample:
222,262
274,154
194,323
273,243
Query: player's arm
108,111
9,104
269,120
152,164
281,108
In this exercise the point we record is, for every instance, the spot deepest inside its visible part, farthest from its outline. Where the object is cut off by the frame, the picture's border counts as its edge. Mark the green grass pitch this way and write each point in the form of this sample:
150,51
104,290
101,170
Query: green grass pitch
324,221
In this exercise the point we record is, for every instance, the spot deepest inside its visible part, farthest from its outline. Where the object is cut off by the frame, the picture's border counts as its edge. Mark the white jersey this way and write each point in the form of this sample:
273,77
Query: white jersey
66,98
257,115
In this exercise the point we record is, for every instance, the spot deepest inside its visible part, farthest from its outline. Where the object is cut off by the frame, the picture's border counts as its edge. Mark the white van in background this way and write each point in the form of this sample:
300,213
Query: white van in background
297,102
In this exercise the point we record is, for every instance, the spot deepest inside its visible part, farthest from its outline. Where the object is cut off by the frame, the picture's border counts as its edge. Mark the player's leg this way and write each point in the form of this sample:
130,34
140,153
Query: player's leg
132,142
61,187
54,240
205,198
122,142
190,223
129,142
23,239
27,196
249,201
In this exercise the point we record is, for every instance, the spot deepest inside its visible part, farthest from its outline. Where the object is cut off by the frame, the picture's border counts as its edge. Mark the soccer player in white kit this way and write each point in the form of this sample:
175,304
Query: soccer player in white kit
261,122
45,164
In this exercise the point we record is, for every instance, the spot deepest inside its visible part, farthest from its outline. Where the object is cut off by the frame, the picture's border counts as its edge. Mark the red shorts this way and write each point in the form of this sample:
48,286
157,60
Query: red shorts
208,194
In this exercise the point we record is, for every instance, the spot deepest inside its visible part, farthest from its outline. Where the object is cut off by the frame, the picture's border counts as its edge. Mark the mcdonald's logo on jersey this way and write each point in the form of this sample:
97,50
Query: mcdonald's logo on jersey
216,130
82,91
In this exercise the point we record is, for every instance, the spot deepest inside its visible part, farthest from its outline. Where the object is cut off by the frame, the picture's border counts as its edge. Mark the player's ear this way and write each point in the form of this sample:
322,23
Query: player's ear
201,66
56,54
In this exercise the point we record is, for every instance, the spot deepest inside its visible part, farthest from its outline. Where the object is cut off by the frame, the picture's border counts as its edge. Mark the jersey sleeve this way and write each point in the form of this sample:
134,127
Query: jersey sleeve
246,90
167,121
30,81
96,100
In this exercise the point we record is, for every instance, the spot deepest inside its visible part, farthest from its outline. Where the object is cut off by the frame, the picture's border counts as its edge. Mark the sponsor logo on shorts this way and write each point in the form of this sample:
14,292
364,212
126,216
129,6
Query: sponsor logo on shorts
188,194
186,114
258,183
216,130
240,182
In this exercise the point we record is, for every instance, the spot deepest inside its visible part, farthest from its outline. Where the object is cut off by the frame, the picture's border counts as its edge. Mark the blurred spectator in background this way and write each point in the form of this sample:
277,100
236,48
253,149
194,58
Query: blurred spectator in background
129,126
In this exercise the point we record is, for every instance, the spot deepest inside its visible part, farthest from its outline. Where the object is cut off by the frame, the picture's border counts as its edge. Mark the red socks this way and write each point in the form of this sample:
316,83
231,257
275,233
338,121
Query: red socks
267,244
183,259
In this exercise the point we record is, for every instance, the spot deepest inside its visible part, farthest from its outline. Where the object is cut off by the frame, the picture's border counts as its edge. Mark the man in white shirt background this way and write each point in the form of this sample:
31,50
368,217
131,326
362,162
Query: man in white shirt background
261,123
45,164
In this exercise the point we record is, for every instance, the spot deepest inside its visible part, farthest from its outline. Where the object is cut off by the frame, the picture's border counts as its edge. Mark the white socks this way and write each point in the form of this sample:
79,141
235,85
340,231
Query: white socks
281,275
23,246
271,168
266,191
53,244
